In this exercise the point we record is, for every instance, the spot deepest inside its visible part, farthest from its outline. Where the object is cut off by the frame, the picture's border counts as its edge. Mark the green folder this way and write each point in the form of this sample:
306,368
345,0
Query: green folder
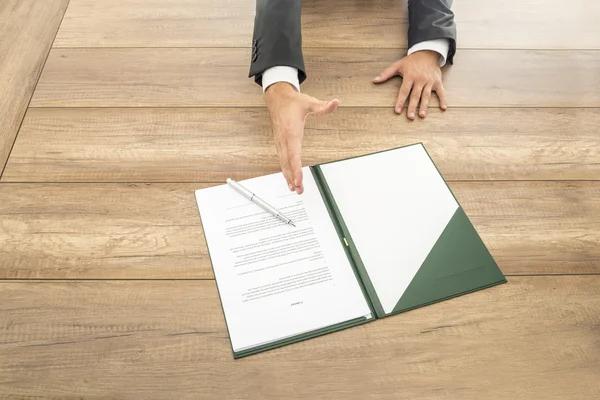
452,258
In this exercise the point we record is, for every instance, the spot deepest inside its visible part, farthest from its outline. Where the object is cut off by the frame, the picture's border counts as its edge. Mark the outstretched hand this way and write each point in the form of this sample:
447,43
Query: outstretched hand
288,111
421,75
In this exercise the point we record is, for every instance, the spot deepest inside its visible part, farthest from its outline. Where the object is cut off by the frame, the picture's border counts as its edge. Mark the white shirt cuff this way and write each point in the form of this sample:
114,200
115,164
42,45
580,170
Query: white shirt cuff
280,74
442,46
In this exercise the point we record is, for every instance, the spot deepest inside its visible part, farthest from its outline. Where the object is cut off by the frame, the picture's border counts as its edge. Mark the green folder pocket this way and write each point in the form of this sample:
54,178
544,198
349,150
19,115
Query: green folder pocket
458,263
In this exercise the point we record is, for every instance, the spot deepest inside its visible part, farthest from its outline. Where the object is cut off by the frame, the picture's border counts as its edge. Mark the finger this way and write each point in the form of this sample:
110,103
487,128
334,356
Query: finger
439,89
425,97
294,147
403,95
414,101
284,162
388,73
318,107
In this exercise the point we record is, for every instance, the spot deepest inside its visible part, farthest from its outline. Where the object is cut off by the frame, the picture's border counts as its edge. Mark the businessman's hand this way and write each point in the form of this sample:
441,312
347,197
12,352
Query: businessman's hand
288,111
421,74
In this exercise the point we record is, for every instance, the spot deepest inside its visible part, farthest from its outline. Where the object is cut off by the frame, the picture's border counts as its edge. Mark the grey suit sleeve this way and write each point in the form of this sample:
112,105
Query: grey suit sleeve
429,20
277,38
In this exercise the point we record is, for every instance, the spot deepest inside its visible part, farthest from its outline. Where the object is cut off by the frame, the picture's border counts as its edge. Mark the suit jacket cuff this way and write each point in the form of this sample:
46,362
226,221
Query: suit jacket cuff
280,74
441,46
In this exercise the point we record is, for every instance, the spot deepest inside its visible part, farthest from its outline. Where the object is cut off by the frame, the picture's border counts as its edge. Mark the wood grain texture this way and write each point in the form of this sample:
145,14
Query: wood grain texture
533,338
210,145
528,24
219,77
524,24
27,29
144,231
101,231
229,23
536,227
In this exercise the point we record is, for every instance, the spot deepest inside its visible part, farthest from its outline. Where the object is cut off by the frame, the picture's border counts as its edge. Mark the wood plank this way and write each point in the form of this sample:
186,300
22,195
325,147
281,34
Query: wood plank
535,337
101,231
148,231
536,227
209,145
523,24
27,29
528,24
229,23
218,77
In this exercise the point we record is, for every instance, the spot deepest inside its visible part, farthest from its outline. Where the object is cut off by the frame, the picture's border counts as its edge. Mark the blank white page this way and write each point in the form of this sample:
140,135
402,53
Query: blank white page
395,205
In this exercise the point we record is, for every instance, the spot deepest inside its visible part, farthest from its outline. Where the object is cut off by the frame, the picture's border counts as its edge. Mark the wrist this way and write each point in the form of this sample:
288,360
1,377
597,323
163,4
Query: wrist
280,87
430,56
279,90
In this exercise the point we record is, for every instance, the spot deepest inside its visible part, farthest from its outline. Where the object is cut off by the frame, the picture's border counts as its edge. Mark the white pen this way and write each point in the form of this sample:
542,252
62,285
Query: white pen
258,201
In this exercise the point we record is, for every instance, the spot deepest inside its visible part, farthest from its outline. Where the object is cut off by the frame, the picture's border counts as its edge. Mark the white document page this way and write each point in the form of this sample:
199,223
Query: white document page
276,280
395,205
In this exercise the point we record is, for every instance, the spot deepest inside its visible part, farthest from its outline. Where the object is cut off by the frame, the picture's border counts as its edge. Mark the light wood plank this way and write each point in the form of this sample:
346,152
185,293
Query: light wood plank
528,24
536,227
209,145
535,337
108,231
218,77
523,24
27,29
229,23
101,231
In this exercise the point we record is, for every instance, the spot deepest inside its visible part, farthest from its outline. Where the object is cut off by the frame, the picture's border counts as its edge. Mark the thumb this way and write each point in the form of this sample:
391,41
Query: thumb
318,107
388,73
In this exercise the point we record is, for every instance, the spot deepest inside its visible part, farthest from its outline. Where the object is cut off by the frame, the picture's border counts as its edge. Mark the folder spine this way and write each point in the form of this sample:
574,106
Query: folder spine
349,247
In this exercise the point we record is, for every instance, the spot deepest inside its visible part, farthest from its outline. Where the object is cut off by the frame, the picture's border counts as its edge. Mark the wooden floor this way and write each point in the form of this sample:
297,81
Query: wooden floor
113,112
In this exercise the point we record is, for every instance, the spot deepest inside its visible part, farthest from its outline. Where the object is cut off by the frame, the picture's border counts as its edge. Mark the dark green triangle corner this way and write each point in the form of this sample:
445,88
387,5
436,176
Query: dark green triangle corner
459,263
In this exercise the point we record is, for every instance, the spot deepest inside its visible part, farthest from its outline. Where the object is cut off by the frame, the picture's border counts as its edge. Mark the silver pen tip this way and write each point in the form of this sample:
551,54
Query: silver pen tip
292,224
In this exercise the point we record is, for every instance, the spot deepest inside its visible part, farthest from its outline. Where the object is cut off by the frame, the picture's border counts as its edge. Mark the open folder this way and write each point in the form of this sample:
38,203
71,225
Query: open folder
375,235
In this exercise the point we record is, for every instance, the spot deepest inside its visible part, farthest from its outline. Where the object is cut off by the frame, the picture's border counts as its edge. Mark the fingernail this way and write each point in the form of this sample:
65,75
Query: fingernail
398,110
291,187
422,113
444,107
412,114
377,79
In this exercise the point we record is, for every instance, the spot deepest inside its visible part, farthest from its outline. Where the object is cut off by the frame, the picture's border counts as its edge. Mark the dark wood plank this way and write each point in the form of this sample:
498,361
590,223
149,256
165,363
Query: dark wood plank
524,24
124,231
535,337
218,77
209,145
27,29
206,23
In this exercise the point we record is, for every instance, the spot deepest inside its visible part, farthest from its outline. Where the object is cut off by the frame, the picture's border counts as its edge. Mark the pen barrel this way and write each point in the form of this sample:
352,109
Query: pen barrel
269,208
258,201
241,190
